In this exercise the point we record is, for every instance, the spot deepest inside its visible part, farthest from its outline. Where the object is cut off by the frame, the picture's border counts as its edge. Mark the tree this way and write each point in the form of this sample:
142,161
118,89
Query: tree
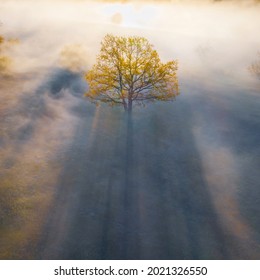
128,70
4,60
254,68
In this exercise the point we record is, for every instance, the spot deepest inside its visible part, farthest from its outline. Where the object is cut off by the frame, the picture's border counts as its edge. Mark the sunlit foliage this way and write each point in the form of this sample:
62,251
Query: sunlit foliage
128,70
5,60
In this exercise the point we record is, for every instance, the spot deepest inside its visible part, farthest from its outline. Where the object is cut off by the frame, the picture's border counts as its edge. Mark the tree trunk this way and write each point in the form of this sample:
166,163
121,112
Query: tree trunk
129,107
125,106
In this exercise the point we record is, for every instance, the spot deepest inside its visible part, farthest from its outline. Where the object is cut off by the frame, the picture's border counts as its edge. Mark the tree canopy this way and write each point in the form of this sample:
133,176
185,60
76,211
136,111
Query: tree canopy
128,70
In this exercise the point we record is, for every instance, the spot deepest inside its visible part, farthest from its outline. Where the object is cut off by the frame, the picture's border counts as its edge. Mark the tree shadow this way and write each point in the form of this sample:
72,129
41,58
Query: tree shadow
133,188
179,220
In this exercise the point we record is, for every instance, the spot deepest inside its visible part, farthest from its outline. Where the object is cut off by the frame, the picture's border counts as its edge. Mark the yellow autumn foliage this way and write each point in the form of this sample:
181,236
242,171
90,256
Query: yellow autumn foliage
5,61
128,70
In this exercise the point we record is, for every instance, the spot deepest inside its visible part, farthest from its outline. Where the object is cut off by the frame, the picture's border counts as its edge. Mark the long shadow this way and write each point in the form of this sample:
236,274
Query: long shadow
131,207
178,219
94,214
134,189
80,221
120,237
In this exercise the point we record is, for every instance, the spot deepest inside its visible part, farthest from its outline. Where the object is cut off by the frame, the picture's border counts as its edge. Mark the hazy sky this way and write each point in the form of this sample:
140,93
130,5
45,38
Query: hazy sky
225,34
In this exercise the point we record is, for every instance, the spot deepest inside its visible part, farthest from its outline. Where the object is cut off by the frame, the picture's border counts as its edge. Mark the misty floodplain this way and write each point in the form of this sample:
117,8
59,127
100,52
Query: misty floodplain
181,181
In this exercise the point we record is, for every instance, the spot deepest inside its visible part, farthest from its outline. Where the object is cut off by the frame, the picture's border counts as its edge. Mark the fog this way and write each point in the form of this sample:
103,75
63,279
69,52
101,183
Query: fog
180,183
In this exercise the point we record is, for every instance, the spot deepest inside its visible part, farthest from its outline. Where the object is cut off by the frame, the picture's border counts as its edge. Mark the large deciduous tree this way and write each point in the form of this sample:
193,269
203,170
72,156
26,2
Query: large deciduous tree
128,70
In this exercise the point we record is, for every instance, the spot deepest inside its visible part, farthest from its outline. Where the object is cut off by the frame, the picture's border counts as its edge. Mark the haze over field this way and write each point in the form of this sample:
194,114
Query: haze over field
185,187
